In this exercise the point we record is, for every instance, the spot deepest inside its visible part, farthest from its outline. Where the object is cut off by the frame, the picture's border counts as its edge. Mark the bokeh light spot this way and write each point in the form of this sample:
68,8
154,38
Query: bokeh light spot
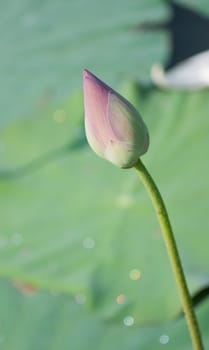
128,321
120,299
135,274
88,243
80,299
60,116
124,201
164,339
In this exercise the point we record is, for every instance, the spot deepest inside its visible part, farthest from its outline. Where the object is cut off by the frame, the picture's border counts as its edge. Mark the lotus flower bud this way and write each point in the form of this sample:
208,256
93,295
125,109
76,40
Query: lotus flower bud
114,129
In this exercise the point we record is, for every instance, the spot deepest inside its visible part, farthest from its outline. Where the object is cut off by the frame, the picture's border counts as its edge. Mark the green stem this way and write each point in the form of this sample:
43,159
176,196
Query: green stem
172,250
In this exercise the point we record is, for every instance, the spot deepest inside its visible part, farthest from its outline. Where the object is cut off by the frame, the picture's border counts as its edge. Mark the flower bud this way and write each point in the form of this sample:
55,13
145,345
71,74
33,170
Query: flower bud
114,129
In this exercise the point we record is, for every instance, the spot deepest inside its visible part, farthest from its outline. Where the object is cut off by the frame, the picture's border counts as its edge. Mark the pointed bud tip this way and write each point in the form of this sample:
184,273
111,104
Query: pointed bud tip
88,75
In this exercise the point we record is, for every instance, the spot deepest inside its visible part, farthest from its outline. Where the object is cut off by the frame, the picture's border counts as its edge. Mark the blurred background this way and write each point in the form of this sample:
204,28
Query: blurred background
82,261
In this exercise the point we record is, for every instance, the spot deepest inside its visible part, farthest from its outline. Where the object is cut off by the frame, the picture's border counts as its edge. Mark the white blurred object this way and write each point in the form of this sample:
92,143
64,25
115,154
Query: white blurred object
192,73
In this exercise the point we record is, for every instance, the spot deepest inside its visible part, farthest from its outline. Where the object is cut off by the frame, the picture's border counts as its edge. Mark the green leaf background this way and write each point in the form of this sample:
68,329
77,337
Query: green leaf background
47,321
73,225
47,43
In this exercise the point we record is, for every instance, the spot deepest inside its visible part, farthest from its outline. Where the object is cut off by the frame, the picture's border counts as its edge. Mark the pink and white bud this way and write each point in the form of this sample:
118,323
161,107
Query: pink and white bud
114,129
